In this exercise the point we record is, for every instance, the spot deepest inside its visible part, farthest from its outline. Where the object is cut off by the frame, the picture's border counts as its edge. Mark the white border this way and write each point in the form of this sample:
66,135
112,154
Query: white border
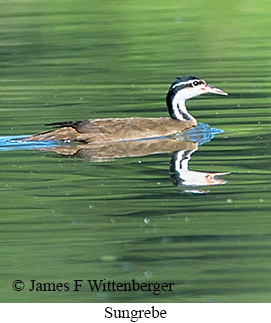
86,313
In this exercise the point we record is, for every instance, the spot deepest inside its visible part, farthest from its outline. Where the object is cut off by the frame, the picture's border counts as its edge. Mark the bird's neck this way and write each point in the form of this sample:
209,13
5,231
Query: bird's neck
177,108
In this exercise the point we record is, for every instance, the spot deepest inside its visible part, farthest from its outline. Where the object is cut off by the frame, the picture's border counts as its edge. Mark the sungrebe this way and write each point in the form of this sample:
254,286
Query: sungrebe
126,129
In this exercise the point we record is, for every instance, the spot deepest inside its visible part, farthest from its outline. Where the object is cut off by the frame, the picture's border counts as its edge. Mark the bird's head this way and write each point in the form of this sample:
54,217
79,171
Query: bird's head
185,88
191,86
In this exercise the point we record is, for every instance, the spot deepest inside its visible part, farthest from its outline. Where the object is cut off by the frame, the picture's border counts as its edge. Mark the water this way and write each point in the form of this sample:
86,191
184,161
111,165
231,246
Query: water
124,218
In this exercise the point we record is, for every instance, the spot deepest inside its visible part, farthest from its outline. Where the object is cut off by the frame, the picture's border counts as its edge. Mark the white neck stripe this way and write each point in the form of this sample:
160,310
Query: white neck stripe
179,108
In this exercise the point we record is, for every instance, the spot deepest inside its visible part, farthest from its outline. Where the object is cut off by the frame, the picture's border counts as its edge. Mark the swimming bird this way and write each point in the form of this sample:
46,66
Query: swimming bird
127,129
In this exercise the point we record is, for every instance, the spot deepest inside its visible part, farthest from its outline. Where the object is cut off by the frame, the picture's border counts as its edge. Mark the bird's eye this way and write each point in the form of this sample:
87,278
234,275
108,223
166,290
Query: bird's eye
195,83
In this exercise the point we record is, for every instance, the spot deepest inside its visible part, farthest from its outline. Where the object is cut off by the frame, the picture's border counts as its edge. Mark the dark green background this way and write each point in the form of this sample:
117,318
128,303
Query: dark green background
65,219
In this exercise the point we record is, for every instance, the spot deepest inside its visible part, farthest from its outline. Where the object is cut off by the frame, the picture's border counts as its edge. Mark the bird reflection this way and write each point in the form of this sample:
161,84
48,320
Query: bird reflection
181,146
181,155
182,176
113,150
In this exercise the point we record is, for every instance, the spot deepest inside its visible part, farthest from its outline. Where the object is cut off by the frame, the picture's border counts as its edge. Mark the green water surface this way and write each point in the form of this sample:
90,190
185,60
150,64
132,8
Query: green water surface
66,219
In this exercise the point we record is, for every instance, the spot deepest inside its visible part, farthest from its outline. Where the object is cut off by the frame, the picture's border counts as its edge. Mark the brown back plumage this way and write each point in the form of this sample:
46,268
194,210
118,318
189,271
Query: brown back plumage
115,129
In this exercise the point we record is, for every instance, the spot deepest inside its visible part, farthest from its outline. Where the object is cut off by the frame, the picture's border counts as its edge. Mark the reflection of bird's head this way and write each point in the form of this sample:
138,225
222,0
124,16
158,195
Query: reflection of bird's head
185,88
182,176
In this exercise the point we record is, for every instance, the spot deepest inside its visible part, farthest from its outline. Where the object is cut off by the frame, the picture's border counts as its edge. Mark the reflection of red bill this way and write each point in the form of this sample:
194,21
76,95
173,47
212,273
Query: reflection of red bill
213,178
